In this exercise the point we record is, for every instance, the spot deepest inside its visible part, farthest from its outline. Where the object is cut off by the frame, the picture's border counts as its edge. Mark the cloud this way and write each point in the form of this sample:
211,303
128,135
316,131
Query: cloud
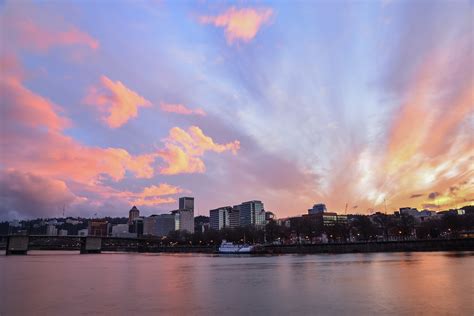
414,196
20,104
430,206
181,109
30,195
239,24
433,195
35,28
183,150
116,101
152,195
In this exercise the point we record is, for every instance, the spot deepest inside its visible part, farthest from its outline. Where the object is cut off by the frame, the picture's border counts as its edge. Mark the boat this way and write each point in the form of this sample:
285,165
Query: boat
229,247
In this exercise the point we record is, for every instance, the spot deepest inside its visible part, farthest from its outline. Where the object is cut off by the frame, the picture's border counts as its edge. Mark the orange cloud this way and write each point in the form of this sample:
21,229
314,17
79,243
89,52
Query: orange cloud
152,195
118,102
181,109
183,150
239,24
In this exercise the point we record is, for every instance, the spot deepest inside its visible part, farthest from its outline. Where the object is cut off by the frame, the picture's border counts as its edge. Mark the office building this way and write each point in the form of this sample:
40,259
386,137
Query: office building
186,203
234,216
136,226
121,230
219,218
252,213
184,219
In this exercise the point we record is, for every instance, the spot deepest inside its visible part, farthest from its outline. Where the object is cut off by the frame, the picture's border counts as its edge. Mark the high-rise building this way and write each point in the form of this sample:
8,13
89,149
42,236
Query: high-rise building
317,209
234,216
133,213
219,218
184,219
252,213
186,203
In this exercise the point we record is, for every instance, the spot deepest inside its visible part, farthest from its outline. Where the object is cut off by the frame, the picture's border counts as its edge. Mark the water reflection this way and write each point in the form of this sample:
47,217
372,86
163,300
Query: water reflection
361,284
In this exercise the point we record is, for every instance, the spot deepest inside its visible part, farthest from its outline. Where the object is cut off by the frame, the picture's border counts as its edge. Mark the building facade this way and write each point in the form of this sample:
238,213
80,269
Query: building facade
219,218
252,213
317,209
234,217
98,227
186,203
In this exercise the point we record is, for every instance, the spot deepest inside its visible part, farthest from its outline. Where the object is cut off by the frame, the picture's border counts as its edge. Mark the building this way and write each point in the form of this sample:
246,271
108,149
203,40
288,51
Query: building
164,224
252,213
136,226
184,220
186,203
133,213
62,232
51,230
317,209
331,219
83,232
234,216
121,230
98,227
219,218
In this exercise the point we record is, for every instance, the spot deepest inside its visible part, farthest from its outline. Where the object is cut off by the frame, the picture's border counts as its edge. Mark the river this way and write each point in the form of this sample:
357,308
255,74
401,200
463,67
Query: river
67,283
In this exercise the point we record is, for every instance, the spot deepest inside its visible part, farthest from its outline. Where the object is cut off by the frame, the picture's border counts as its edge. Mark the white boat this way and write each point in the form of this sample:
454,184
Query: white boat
228,247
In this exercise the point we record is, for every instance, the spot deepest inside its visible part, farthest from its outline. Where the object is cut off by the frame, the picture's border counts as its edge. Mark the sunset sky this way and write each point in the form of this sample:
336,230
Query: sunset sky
105,105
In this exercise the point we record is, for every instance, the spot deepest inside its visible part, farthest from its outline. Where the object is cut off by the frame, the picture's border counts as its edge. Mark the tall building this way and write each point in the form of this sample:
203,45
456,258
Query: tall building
136,226
317,209
252,213
184,219
186,203
133,213
219,218
234,216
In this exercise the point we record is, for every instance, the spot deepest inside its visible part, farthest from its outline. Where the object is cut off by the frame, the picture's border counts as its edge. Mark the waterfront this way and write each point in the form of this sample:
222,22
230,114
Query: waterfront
118,283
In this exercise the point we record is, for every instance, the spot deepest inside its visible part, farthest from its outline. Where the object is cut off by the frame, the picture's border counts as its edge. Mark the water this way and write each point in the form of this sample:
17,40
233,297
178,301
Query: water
52,283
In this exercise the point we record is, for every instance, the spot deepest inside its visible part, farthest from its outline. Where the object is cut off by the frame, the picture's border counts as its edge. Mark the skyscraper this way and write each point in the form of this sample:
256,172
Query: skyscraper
252,213
186,203
219,218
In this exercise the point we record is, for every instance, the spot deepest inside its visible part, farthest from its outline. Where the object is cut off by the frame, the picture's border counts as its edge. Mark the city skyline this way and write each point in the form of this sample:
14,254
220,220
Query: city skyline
358,105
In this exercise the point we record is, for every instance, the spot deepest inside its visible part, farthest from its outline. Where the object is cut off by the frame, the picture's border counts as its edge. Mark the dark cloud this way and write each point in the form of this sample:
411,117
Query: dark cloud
414,196
433,195
24,194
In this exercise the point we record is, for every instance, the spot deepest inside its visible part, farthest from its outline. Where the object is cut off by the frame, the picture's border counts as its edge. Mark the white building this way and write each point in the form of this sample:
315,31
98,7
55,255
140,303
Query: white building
63,232
121,230
184,220
51,230
83,232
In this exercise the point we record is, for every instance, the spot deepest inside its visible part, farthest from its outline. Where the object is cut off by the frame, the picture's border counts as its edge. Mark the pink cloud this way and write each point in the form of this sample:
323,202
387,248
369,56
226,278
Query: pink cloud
116,101
181,109
239,24
20,104
28,194
38,29
183,150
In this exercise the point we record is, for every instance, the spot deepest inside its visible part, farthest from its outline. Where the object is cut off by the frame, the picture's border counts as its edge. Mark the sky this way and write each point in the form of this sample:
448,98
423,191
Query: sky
362,105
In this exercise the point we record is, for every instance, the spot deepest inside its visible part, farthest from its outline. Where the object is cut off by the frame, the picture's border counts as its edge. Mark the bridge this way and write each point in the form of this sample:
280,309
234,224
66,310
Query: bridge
21,244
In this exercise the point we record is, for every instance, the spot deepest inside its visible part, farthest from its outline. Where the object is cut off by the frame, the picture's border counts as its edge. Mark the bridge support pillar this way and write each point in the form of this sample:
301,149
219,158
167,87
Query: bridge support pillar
91,245
17,245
